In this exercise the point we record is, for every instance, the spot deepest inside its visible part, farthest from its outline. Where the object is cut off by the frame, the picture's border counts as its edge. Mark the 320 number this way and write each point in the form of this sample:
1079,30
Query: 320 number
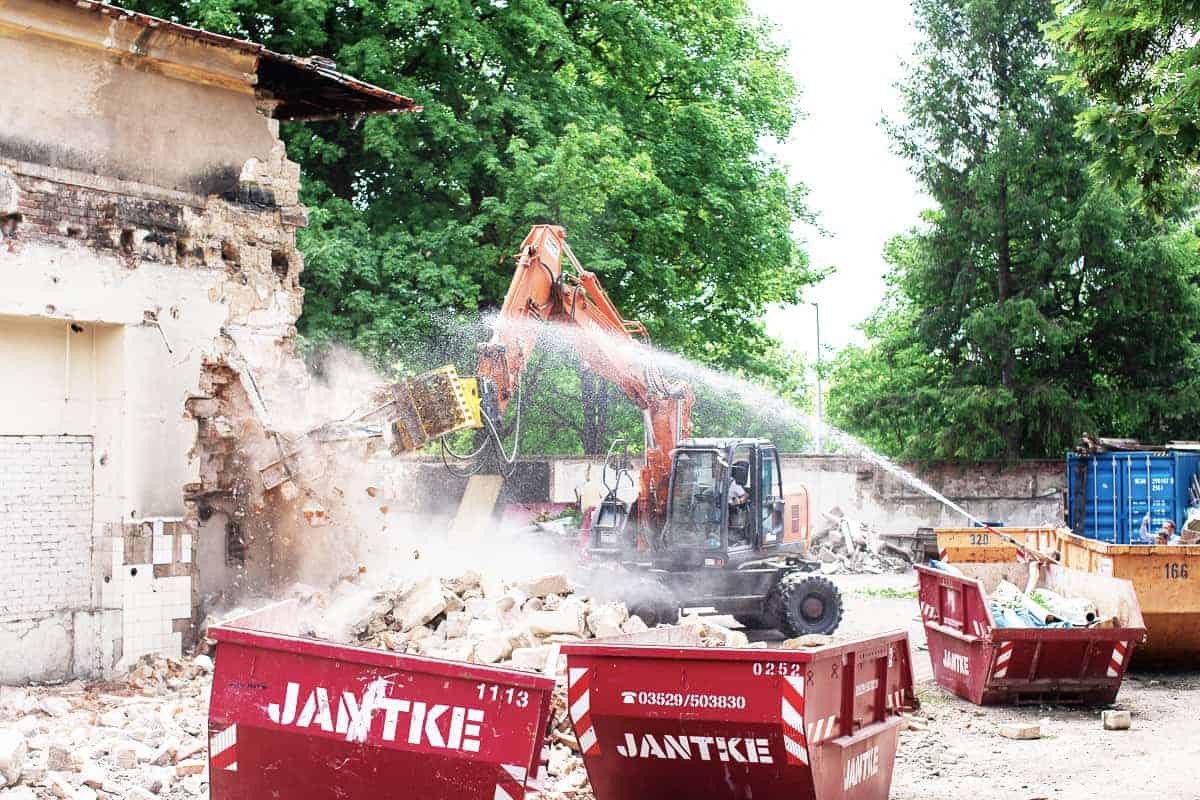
1176,571
979,538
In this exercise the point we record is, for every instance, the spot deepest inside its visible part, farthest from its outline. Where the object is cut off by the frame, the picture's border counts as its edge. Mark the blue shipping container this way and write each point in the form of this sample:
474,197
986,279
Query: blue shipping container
1115,497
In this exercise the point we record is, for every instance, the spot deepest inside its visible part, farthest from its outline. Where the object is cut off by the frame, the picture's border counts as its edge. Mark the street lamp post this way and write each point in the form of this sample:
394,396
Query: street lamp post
820,393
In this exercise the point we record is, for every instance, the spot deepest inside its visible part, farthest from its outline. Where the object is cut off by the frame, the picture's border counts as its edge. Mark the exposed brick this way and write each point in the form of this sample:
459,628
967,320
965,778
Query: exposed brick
45,524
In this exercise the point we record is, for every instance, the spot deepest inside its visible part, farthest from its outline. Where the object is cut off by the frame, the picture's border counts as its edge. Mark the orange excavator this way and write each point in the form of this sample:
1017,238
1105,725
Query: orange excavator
711,527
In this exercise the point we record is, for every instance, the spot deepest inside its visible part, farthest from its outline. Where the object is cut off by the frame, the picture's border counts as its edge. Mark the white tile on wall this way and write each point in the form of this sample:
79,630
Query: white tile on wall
163,545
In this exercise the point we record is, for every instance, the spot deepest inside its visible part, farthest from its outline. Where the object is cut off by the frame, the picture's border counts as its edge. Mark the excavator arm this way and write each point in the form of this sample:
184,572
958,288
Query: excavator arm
550,286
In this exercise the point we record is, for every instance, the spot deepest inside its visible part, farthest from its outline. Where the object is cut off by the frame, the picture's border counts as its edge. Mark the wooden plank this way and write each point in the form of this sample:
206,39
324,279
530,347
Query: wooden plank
477,506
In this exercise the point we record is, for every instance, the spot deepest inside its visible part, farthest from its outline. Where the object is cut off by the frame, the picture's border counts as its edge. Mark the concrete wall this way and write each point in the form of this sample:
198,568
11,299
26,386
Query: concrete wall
1020,493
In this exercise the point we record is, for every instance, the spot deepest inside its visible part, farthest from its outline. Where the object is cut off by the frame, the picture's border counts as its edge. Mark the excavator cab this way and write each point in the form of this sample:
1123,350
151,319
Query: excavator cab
727,504
734,543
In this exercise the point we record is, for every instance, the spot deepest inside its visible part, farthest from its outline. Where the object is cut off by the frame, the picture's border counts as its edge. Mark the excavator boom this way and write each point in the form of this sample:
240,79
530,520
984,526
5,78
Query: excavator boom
550,286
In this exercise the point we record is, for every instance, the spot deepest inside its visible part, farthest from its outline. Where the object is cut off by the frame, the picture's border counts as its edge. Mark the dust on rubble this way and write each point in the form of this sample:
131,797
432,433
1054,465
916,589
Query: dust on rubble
140,738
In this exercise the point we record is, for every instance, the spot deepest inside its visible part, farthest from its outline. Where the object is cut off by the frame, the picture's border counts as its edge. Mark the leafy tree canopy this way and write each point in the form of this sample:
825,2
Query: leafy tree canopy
635,125
1037,301
1139,62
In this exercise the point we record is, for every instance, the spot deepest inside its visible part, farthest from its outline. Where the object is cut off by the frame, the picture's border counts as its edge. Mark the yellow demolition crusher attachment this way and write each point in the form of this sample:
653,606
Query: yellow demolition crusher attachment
408,415
429,406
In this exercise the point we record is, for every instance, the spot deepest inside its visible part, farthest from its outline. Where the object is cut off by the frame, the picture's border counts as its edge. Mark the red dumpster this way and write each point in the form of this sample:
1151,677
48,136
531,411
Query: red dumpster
989,665
298,718
723,723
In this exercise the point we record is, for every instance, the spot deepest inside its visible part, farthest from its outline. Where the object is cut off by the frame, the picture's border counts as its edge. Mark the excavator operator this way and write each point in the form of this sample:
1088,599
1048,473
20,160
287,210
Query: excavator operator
738,499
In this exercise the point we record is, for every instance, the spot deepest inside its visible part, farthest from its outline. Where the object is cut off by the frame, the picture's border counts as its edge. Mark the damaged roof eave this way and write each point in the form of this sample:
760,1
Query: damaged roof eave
305,89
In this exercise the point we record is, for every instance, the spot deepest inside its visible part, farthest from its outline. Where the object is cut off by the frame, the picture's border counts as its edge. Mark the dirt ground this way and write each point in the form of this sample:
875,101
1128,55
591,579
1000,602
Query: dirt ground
962,757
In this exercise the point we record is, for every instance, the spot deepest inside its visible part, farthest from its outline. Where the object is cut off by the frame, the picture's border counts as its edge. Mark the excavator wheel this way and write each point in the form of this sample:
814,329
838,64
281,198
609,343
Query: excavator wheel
653,602
803,603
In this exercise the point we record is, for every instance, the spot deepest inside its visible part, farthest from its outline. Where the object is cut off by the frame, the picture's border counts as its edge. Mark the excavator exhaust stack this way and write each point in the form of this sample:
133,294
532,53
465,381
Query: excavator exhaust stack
431,405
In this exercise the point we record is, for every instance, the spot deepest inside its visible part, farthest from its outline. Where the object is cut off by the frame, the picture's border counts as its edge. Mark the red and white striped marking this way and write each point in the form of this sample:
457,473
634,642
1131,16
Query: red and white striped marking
821,729
980,628
512,783
1117,659
792,714
896,700
1002,659
942,554
222,749
928,610
579,700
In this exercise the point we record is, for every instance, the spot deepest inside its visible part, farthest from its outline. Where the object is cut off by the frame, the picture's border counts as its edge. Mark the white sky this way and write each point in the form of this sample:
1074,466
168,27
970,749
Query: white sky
846,56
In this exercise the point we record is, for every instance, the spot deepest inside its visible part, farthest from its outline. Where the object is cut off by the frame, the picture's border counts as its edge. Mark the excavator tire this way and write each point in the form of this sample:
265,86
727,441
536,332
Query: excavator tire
653,602
803,603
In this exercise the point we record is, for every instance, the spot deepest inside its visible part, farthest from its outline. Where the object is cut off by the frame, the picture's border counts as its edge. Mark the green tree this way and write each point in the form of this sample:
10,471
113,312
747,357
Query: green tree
1139,63
635,125
1037,301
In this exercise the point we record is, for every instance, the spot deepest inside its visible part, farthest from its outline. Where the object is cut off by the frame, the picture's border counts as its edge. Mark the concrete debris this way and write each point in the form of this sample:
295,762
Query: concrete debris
713,635
58,757
1020,730
810,640
55,706
844,545
606,620
420,604
1115,720
13,748
546,584
115,740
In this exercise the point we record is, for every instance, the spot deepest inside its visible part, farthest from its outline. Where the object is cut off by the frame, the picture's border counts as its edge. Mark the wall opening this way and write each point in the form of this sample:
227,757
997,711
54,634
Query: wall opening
9,224
235,545
279,263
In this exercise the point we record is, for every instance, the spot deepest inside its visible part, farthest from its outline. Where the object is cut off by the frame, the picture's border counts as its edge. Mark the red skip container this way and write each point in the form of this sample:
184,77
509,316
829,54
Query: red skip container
992,666
302,719
720,723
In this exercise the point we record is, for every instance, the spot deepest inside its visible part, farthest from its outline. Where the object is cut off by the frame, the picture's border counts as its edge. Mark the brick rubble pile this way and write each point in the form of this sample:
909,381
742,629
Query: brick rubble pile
139,739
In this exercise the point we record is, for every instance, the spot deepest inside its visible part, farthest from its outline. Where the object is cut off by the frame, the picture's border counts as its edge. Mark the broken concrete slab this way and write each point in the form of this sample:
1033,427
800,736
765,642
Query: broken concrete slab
420,604
1116,720
13,748
553,583
568,618
607,619
1020,730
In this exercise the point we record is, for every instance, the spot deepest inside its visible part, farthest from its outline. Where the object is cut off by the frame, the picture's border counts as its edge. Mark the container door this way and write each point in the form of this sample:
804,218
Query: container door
1149,495
1101,513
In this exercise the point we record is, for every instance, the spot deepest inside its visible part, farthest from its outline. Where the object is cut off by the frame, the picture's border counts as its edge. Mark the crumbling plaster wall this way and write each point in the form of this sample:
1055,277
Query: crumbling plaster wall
127,103
132,285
